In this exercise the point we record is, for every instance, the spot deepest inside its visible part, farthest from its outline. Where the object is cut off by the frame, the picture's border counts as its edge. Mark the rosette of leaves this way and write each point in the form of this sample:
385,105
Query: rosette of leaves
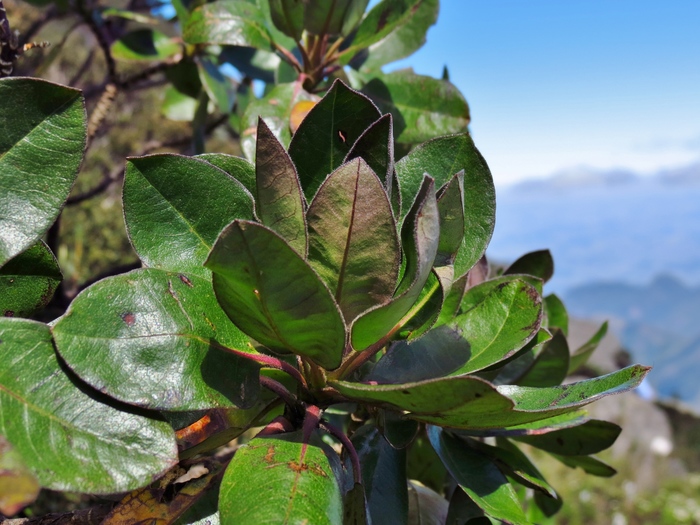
333,300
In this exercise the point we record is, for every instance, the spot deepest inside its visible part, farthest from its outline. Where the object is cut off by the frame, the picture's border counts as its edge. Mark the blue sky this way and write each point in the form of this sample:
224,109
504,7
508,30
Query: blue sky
556,84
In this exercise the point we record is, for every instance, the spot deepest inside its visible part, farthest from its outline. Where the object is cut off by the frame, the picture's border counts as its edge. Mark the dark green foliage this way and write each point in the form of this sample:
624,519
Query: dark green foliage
328,305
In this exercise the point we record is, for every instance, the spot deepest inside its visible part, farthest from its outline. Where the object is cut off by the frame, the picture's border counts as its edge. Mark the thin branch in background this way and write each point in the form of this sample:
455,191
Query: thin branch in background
91,516
108,178
83,68
38,24
101,41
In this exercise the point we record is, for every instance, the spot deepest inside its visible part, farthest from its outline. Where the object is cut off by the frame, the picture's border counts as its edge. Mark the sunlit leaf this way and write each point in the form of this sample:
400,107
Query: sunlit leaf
144,45
228,22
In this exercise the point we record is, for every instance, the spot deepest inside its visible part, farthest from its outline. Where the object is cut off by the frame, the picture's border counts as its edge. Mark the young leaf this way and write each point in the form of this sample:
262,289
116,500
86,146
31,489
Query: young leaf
184,200
228,22
18,486
581,355
498,321
336,17
442,158
150,338
583,440
478,476
275,108
144,45
28,281
420,235
296,480
280,202
289,310
400,25
538,264
353,243
423,107
376,147
44,129
329,131
68,439
383,476
556,314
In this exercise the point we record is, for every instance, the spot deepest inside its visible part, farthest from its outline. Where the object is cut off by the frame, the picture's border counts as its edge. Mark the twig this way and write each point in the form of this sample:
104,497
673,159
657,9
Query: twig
91,516
107,180
36,26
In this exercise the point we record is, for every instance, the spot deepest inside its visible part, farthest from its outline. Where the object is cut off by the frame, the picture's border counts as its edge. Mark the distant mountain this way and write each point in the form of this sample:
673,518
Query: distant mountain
587,177
657,323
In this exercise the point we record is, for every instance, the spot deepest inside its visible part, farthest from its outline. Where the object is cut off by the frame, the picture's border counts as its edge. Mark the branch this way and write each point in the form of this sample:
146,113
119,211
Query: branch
91,516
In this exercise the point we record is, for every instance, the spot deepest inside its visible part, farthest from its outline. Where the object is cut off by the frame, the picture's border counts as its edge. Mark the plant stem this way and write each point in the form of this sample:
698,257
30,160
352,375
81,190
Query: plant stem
279,389
269,361
347,445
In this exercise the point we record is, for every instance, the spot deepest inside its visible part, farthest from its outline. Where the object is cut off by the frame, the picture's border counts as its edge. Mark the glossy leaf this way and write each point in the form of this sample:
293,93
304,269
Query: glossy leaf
376,147
65,436
557,317
177,106
280,202
329,130
411,20
451,208
288,16
550,365
383,476
396,429
439,353
44,130
419,235
588,464
237,167
297,481
442,158
353,243
468,402
536,428
423,107
286,310
184,200
215,84
28,281
254,63
339,16
497,322
581,355
275,108
583,440
228,22
478,476
151,338
538,264
18,486
144,45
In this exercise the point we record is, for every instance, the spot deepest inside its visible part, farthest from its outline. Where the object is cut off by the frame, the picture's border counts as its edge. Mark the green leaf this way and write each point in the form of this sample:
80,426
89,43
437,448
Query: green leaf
339,16
18,486
254,63
353,243
28,281
439,353
383,476
538,264
582,354
425,506
228,22
396,429
469,402
327,134
516,464
184,200
423,107
556,314
286,310
288,16
478,476
177,106
424,465
376,147
419,234
280,481
144,45
355,506
401,26
463,511
512,369
536,428
497,321
152,338
451,208
583,440
238,168
551,363
442,158
588,464
44,129
68,439
217,86
275,108
280,202
184,77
